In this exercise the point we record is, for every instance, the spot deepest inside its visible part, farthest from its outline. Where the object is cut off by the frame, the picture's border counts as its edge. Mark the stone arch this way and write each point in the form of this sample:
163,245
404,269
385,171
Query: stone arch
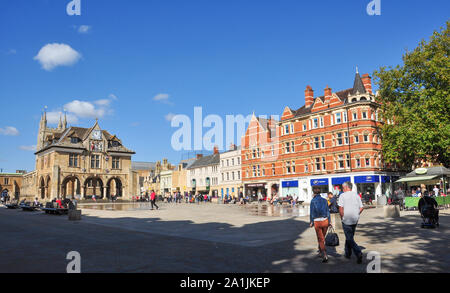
114,187
16,190
93,186
71,186
354,100
48,187
363,99
42,188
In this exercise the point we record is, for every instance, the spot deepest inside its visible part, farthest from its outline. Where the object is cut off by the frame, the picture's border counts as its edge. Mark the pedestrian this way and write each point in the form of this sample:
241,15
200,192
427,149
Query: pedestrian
332,203
350,209
320,220
436,191
153,200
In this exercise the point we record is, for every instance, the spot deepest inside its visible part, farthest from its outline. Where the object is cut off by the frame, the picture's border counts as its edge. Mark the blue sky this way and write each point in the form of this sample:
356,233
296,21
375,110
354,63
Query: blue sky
229,57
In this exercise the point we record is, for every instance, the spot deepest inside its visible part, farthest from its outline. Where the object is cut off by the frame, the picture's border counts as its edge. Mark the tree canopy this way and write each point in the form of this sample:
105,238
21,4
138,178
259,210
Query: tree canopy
415,104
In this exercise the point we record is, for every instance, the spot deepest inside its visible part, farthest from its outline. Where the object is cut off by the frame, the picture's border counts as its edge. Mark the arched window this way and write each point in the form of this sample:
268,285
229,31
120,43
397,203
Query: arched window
363,99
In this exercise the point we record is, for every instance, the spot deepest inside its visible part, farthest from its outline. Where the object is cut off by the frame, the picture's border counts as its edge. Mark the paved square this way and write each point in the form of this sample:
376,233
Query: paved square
211,238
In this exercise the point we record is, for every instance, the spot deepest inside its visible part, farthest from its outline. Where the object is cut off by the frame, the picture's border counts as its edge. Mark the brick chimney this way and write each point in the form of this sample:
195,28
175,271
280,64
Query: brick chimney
328,93
233,147
199,156
309,96
216,150
367,82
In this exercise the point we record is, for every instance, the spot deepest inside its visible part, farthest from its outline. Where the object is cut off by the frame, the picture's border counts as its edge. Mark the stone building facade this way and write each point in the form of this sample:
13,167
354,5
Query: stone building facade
11,184
231,173
203,175
82,162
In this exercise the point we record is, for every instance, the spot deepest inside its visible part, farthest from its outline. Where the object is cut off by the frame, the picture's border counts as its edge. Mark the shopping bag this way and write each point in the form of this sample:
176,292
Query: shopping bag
332,238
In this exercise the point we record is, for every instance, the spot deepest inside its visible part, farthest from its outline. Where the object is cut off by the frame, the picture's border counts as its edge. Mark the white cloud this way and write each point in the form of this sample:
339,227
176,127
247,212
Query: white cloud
29,148
85,109
169,117
161,97
54,55
54,116
84,29
113,97
103,102
9,130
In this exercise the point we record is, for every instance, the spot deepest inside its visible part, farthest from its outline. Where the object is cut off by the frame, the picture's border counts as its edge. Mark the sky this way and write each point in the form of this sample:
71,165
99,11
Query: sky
134,64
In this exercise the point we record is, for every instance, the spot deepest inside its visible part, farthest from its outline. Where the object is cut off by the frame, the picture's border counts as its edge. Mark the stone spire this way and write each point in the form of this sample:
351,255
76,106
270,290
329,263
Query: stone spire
65,121
60,122
358,85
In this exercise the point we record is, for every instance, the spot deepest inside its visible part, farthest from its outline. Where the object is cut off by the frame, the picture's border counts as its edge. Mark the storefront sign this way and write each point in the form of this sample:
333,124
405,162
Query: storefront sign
367,179
287,184
340,180
385,179
255,185
317,182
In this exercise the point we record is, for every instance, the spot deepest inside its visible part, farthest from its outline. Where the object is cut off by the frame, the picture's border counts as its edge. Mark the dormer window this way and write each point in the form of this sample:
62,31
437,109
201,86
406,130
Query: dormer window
74,140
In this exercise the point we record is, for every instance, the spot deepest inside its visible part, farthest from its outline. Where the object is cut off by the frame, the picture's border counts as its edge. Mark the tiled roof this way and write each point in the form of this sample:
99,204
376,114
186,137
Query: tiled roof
143,165
206,161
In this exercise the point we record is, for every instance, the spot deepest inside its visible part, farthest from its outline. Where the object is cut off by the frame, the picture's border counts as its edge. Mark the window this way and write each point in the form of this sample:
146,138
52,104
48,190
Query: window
115,162
259,170
341,162
239,175
254,171
74,140
273,169
306,167
223,177
232,162
321,121
228,163
345,117
346,137
228,176
316,143
286,129
339,139
324,164
317,164
364,115
356,140
348,160
304,127
355,115
338,118
273,151
288,167
367,162
288,147
73,160
264,172
292,128
366,137
239,160
358,163
292,147
293,166
254,154
315,123
6,181
95,162
322,141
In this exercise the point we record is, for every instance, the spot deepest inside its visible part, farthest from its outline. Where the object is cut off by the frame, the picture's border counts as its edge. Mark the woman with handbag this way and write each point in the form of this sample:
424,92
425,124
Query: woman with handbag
320,220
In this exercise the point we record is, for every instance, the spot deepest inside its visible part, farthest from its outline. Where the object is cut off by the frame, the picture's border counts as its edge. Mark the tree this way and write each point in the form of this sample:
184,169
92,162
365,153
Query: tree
415,104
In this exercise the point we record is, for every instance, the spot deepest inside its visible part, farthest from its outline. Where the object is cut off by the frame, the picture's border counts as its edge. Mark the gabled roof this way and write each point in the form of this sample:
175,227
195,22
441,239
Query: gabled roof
206,161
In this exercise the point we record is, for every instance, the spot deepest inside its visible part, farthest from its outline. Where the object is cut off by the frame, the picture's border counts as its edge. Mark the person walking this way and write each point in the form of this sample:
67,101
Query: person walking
320,220
350,209
153,200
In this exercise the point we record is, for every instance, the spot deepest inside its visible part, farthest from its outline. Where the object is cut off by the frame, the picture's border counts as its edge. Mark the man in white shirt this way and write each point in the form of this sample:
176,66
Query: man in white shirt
350,209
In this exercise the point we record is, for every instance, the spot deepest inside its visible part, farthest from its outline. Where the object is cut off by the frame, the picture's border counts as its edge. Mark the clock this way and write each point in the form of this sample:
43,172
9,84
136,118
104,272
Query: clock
97,134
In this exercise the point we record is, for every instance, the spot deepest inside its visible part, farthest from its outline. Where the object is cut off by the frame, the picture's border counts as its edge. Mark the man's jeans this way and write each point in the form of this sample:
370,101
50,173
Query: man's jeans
350,244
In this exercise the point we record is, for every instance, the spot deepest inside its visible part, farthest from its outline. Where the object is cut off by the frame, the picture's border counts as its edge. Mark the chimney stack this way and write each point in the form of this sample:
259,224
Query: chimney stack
309,96
216,150
233,147
328,93
367,82
199,156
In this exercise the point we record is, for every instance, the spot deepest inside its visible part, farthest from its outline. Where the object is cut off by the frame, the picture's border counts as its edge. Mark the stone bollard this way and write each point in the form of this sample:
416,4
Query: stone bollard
74,215
391,211
336,222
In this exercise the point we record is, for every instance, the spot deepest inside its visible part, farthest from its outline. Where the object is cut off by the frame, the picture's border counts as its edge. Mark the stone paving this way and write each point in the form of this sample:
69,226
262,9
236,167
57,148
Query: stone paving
190,238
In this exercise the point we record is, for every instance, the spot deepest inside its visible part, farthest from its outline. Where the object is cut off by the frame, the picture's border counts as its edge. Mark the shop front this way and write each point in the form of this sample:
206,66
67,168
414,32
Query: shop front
255,191
368,185
290,189
337,184
322,183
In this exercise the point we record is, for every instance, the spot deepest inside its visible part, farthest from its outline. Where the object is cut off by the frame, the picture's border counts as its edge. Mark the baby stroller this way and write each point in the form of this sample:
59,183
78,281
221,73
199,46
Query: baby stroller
429,212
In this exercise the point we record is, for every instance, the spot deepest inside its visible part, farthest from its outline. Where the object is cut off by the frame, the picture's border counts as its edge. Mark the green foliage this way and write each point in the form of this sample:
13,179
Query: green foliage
415,98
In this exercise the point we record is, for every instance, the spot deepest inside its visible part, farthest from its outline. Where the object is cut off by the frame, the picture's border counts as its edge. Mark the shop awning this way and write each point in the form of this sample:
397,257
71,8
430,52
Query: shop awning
417,178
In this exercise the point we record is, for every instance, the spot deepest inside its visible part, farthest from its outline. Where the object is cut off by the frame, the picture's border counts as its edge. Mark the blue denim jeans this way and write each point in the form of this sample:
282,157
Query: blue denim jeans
350,244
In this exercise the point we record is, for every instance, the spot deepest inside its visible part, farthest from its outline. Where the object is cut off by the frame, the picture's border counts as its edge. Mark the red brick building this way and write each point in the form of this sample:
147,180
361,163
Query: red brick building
331,139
